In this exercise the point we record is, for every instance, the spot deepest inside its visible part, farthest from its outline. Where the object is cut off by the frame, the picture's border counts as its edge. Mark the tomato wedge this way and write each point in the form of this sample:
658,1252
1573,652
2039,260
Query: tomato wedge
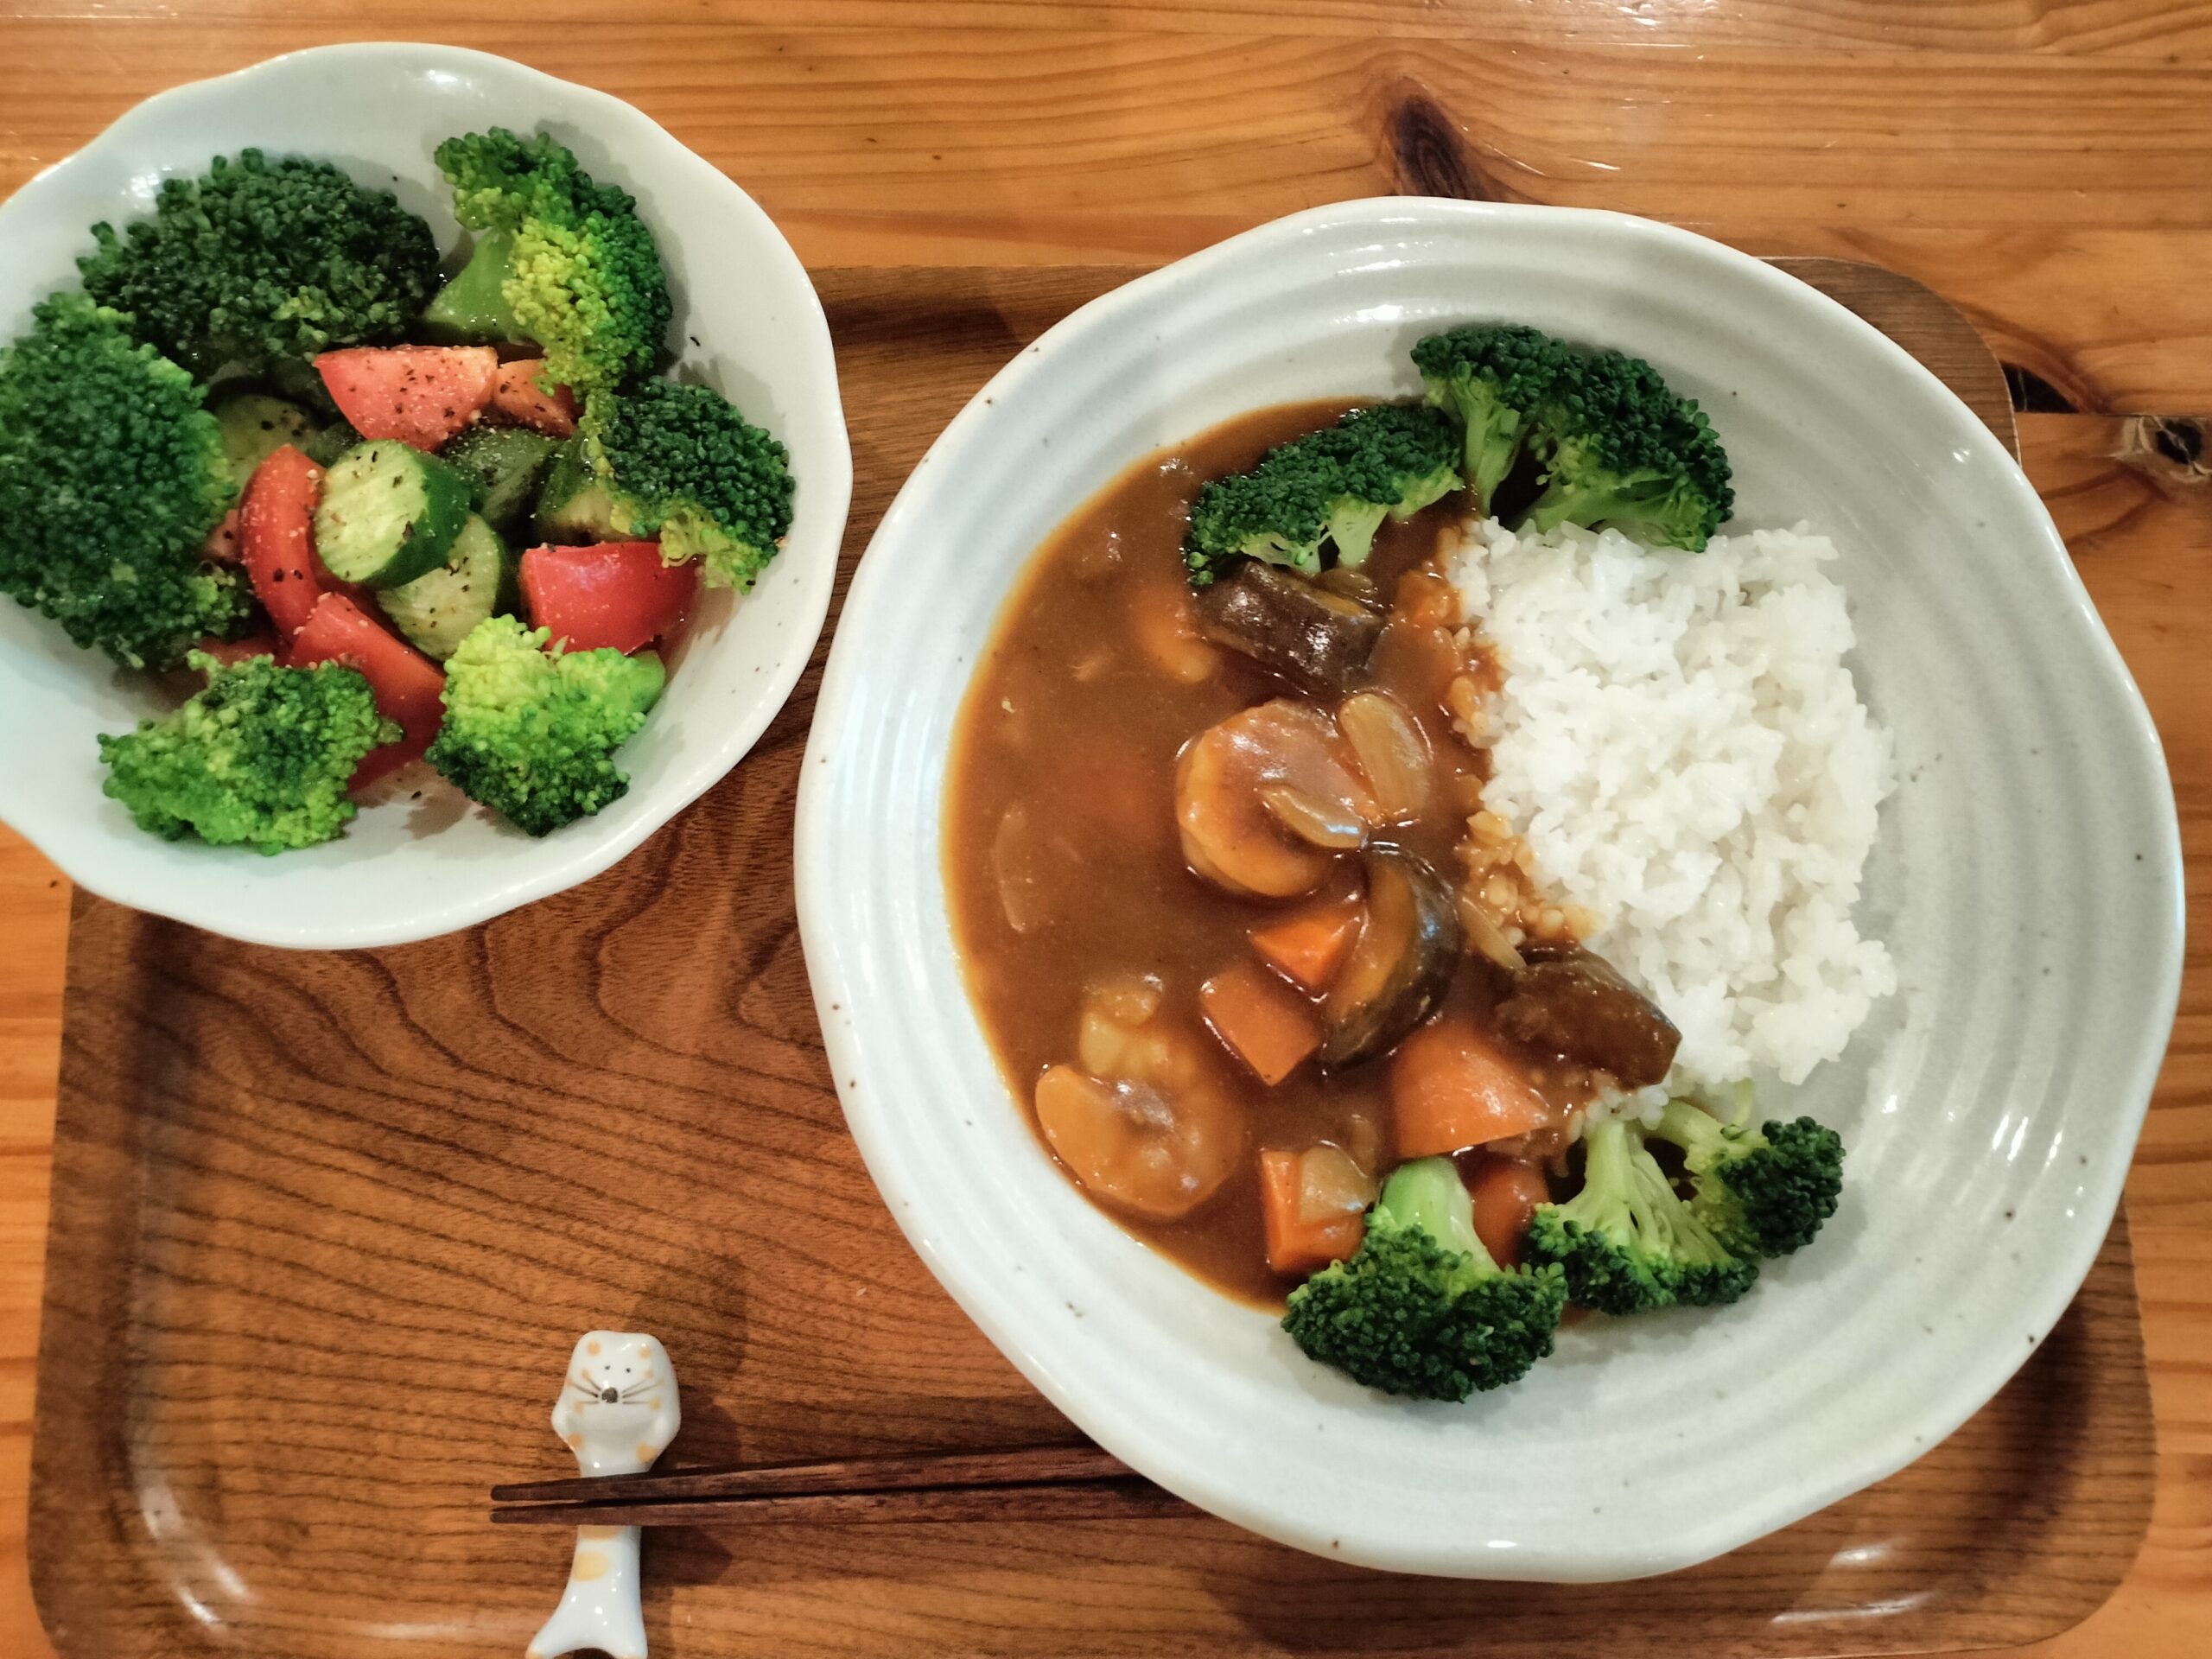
618,594
518,395
410,687
277,533
421,395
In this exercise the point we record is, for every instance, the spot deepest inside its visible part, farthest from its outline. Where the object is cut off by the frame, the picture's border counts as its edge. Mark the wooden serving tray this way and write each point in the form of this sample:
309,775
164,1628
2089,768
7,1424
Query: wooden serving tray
323,1226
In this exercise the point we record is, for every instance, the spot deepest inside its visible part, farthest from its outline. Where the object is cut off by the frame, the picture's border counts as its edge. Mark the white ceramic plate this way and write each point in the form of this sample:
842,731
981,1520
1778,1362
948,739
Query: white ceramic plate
410,868
2028,880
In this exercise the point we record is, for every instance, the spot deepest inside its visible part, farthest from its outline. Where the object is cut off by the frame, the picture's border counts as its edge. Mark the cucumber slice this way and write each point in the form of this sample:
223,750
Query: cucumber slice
256,426
331,442
505,465
299,381
389,514
435,612
575,506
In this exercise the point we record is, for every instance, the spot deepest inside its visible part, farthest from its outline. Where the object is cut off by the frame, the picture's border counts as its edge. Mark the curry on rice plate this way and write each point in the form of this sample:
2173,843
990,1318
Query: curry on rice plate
1385,842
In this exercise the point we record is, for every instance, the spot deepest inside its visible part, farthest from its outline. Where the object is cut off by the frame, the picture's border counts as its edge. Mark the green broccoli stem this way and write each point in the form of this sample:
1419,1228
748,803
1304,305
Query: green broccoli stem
473,309
1605,1162
1427,1193
1600,497
1494,438
1696,1131
1706,1273
1352,525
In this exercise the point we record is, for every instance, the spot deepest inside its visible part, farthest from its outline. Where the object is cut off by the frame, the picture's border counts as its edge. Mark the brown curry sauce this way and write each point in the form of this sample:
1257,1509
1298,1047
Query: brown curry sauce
1062,773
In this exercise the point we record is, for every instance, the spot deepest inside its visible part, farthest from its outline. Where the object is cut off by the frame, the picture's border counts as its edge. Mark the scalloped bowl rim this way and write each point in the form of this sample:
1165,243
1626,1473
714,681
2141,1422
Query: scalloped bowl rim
852,975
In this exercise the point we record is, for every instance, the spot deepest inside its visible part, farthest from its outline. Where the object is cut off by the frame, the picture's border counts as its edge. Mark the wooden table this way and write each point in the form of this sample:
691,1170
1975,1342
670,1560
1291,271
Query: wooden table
2044,164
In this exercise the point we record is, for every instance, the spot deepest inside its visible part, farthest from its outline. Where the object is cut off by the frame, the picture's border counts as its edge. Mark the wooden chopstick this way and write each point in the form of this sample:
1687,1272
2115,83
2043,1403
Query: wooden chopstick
1086,1500
1031,1466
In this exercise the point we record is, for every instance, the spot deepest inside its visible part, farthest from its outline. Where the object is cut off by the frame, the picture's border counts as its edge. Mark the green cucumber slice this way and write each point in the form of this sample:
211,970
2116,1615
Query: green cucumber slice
298,379
331,442
435,612
505,465
575,506
255,426
389,514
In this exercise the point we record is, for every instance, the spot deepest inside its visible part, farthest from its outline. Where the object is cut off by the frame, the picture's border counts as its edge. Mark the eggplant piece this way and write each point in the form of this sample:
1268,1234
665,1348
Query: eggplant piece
1318,640
1573,1002
1402,965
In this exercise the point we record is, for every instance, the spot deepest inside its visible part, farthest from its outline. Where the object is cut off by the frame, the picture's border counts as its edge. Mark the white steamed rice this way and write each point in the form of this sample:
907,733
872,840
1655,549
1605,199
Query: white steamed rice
1679,744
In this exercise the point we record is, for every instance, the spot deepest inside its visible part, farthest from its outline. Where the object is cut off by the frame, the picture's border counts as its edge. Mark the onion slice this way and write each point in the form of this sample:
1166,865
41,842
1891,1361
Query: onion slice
1331,1184
1317,821
1485,935
1392,752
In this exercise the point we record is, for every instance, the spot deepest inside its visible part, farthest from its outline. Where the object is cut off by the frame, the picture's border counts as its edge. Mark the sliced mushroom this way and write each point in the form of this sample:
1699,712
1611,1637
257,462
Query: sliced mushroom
1400,966
1318,640
1572,1002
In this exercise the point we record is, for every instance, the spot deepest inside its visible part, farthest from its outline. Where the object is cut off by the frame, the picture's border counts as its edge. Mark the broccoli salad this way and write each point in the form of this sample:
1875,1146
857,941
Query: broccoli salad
378,516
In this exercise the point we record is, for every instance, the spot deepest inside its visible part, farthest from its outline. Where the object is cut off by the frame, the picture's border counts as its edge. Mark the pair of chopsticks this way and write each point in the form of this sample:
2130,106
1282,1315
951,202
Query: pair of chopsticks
1071,1483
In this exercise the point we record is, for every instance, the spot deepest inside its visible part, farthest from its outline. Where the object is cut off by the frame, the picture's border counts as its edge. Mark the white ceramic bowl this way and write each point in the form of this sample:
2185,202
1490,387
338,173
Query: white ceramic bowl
408,868
2028,880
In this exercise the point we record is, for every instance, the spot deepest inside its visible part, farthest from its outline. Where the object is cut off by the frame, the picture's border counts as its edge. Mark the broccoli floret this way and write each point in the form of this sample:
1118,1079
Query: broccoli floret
261,757
530,733
1616,446
1337,486
1626,1242
113,473
1421,1309
1767,1190
1619,448
1489,377
258,261
678,461
573,266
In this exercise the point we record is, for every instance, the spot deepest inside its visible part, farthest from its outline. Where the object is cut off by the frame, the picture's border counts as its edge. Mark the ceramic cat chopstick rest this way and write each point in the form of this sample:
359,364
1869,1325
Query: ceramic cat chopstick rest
616,1411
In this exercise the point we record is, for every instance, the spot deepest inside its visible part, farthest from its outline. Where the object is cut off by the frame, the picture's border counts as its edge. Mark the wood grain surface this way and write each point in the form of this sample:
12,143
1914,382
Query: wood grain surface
993,132
295,1193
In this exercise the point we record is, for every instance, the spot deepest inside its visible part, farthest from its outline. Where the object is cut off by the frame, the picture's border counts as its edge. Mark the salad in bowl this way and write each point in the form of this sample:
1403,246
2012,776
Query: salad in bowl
411,489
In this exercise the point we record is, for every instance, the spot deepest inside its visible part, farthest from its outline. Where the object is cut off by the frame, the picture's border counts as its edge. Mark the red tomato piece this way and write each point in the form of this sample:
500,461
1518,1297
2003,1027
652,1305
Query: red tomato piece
410,687
618,594
277,532
421,395
518,395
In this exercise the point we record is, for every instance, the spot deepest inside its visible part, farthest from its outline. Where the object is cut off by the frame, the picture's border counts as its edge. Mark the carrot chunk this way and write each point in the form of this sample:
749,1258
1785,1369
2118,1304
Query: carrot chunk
1451,1088
1265,1023
1296,1244
1310,946
1506,1192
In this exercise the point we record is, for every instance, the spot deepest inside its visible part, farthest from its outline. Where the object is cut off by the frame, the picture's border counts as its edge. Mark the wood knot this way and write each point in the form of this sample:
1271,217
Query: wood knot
1430,156
2170,448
